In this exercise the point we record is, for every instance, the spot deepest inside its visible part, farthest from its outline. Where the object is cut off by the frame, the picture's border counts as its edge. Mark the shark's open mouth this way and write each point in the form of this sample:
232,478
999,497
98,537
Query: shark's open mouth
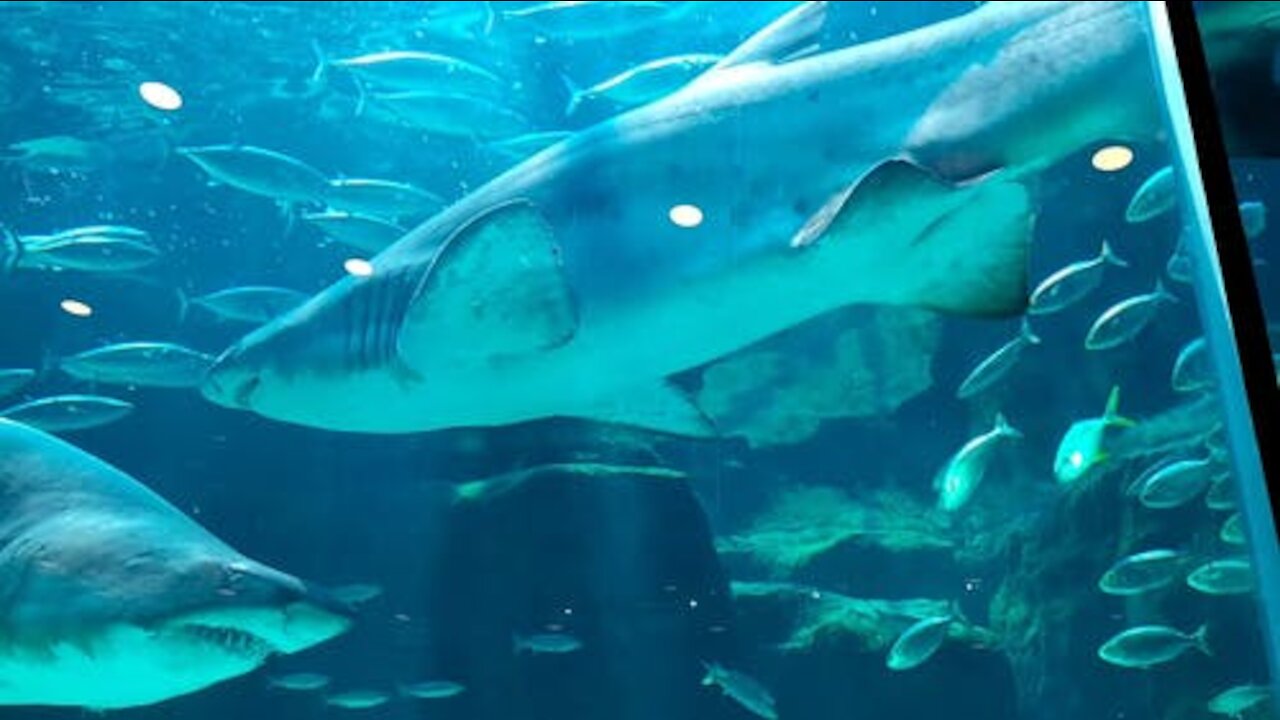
232,640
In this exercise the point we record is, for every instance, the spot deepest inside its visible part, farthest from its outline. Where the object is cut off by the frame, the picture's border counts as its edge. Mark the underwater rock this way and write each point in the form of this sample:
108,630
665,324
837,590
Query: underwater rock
807,522
829,651
813,617
859,362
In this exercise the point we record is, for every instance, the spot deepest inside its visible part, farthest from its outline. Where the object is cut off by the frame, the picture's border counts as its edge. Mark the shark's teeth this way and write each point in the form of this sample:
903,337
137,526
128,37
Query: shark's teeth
231,639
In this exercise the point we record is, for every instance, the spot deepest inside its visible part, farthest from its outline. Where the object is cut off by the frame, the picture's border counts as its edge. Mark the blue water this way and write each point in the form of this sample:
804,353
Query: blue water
628,564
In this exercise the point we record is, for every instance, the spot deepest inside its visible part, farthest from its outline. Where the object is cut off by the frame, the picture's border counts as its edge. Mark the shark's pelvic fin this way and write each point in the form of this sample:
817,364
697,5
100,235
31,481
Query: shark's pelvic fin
664,408
495,289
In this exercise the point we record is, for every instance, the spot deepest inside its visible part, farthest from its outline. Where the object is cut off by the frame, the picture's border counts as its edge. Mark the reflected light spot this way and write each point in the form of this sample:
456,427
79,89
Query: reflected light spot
358,267
160,96
686,216
1077,459
693,603
1112,158
77,308
568,611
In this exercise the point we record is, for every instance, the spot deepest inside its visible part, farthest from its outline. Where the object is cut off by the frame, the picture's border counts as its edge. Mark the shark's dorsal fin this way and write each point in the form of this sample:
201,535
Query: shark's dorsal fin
495,288
791,36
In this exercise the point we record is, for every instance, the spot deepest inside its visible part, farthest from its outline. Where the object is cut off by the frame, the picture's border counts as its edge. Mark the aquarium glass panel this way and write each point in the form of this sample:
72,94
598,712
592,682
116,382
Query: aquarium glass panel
629,360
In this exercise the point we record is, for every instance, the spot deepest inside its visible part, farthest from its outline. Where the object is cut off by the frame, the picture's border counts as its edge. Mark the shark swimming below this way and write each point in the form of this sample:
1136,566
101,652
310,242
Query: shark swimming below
765,194
112,598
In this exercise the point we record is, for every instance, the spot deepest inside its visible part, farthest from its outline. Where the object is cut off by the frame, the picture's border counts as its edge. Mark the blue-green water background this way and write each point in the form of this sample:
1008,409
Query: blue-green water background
346,508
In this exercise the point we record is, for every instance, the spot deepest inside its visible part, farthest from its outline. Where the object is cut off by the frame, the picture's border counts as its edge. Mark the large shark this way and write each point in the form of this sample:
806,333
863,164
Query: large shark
112,598
770,191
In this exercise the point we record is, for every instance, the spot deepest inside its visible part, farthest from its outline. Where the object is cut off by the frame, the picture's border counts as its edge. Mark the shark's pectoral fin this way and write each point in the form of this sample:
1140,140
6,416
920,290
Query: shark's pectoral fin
495,288
665,408
913,239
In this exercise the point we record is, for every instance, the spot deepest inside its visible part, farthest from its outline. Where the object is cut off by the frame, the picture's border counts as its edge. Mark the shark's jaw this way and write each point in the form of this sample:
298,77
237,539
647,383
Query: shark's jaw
124,664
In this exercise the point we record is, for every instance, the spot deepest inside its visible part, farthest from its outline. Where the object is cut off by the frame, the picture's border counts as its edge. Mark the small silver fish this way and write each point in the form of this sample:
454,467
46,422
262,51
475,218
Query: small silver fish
59,152
1232,531
358,699
260,171
120,231
454,115
553,643
575,20
300,682
1154,197
256,304
144,364
742,688
1148,645
432,689
643,83
85,252
1070,284
411,70
14,379
1253,216
1122,322
67,413
1191,370
1143,572
356,593
362,232
381,198
1234,701
918,643
1228,576
995,366
1178,483
1135,487
962,474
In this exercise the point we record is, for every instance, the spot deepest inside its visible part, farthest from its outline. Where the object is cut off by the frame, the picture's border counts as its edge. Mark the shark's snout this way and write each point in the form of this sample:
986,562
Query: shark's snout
265,611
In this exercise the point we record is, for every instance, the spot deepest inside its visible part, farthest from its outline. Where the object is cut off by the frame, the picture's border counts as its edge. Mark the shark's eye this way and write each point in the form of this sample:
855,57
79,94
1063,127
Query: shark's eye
232,579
